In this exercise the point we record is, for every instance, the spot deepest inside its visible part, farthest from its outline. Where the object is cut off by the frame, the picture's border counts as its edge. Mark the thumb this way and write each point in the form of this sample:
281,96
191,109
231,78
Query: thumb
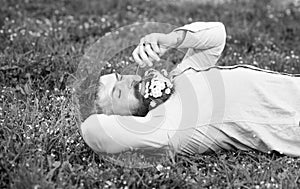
162,49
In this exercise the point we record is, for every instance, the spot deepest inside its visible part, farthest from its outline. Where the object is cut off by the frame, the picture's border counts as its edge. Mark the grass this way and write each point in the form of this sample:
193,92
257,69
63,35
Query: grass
41,43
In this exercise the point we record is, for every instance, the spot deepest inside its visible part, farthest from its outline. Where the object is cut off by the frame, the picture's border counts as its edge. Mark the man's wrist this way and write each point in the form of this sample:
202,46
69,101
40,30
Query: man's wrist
180,35
176,38
173,39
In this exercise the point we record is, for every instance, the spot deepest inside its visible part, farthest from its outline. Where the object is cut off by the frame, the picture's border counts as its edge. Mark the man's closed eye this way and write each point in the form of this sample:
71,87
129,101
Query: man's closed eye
119,93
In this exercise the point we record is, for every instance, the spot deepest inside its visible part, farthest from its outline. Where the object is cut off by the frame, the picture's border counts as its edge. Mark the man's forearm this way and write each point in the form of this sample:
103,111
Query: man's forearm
203,35
172,39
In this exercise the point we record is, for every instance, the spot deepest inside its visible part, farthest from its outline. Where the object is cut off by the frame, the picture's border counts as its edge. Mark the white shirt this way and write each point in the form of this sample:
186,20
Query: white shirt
233,107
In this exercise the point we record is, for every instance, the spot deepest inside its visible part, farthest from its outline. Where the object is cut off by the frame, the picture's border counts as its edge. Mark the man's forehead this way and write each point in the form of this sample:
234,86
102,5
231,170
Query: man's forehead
108,79
107,83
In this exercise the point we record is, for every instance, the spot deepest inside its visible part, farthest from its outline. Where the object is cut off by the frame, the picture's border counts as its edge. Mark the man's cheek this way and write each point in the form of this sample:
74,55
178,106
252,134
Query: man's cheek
131,96
132,101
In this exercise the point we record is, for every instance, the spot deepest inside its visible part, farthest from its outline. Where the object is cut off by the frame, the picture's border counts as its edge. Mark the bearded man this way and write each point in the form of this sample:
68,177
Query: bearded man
199,107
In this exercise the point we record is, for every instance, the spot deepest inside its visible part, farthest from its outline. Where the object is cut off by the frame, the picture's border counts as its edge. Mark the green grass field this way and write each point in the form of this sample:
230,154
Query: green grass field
41,43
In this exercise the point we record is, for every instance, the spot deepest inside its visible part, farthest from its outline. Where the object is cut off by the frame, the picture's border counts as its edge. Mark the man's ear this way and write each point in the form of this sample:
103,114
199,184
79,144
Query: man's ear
100,90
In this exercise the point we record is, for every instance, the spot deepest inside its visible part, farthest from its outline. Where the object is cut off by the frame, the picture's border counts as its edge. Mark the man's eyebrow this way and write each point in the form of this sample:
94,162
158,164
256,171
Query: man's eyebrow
112,91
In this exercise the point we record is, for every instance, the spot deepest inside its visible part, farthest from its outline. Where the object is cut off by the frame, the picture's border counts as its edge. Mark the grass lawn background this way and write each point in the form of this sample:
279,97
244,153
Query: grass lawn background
41,43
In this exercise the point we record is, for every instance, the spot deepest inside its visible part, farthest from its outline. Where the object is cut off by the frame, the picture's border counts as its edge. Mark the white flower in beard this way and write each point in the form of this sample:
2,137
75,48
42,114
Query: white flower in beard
167,90
152,86
169,84
156,93
146,90
152,104
159,85
147,85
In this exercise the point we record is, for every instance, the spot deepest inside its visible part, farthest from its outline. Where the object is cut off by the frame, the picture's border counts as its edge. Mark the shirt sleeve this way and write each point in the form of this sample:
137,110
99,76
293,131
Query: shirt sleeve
159,130
205,42
115,134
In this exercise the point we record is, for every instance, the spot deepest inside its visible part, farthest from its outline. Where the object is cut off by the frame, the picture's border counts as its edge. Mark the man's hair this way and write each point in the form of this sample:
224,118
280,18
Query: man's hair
85,97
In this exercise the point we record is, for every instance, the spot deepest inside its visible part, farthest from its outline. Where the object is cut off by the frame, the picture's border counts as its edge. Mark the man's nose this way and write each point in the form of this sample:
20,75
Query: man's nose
136,78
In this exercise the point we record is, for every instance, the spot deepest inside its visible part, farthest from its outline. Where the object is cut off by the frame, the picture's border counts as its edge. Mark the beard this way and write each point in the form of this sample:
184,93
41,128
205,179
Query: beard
139,91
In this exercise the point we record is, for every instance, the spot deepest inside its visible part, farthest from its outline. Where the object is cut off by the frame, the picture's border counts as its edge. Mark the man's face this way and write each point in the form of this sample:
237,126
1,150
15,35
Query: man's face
118,94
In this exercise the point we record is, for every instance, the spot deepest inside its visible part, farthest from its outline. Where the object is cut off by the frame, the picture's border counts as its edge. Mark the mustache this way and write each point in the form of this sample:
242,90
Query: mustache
136,91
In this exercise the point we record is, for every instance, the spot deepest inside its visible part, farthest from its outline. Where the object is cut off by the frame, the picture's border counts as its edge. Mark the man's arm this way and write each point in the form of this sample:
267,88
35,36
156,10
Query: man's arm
115,134
155,132
202,35
205,41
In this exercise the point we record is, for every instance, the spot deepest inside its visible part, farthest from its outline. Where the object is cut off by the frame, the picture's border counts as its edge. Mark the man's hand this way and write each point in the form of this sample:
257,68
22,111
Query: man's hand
154,45
149,49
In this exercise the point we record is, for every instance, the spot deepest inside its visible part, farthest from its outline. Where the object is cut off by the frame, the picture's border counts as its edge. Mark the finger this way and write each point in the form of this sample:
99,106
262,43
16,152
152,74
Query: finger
137,58
142,41
144,56
155,47
153,42
151,53
162,49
